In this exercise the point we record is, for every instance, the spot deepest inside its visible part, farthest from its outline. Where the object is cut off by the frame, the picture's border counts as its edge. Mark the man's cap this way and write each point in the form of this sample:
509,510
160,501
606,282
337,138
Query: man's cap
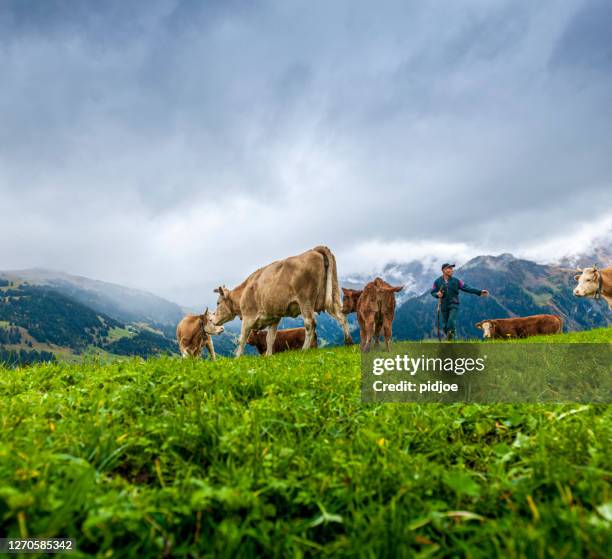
447,265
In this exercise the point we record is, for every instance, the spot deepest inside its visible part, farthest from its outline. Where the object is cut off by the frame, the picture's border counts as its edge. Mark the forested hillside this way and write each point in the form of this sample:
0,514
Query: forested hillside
39,323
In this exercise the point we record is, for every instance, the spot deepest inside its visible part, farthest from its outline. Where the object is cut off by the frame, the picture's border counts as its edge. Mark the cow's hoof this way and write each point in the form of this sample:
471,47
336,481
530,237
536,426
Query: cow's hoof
348,341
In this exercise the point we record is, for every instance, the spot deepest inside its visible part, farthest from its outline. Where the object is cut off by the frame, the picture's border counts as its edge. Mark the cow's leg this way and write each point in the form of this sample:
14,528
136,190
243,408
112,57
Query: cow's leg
247,326
270,337
387,330
366,329
362,330
314,344
211,348
182,349
310,325
369,332
377,329
341,320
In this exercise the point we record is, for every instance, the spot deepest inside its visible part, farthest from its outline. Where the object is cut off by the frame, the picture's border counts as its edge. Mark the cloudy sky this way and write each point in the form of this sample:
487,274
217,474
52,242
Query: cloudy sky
175,145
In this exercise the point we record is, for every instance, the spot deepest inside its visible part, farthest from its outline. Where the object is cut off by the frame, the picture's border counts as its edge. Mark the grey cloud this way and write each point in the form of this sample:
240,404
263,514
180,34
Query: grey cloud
585,44
291,124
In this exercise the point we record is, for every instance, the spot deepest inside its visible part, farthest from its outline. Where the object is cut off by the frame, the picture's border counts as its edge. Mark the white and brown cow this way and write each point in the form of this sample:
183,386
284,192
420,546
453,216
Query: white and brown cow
595,283
194,332
520,326
304,284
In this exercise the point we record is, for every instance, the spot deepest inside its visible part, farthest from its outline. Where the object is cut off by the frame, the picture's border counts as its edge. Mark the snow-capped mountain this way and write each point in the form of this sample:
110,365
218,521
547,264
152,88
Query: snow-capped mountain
598,252
415,276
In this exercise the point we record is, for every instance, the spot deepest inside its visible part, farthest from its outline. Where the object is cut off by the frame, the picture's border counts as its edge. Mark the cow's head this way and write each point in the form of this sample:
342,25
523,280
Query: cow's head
487,327
349,303
256,336
225,310
588,282
208,324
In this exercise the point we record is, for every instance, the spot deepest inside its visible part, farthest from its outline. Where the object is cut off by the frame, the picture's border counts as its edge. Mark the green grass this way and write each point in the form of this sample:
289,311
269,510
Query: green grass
278,457
597,335
118,333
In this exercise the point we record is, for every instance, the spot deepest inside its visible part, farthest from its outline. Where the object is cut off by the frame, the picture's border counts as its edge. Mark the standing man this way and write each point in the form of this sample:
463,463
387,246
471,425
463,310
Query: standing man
446,288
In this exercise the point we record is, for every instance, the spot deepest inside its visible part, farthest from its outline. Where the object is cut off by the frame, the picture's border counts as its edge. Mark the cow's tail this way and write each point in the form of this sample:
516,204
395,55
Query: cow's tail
560,331
332,291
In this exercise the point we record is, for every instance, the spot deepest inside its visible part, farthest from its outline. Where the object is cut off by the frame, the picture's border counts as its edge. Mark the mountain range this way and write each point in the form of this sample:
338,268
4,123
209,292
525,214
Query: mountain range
47,314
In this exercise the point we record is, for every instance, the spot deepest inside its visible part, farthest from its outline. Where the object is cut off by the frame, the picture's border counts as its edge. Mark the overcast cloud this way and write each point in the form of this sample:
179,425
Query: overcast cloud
175,145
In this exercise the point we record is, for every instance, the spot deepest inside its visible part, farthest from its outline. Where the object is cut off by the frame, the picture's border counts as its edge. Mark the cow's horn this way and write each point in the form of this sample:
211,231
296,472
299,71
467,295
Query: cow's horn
578,269
206,311
594,267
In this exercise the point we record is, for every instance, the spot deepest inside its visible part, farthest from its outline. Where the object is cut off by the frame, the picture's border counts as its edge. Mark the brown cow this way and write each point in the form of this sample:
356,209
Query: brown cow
349,302
290,338
595,283
375,308
521,327
303,284
193,333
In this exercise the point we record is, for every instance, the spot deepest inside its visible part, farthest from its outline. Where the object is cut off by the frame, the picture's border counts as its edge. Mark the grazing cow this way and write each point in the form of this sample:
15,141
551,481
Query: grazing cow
595,283
303,284
375,312
521,327
290,338
194,332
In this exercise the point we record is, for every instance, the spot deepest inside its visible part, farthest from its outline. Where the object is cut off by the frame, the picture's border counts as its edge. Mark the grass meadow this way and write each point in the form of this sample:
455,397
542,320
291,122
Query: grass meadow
278,457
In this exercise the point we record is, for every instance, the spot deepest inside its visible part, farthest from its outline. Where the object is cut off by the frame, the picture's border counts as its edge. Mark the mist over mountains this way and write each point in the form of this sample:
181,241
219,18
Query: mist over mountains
123,303
50,311
598,252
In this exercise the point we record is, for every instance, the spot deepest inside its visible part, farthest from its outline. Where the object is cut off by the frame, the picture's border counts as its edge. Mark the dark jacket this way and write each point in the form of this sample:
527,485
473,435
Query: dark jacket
451,290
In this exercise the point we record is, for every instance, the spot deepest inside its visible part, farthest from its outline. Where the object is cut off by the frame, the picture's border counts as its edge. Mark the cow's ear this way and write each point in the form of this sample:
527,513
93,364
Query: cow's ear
397,289
346,291
218,290
478,325
577,277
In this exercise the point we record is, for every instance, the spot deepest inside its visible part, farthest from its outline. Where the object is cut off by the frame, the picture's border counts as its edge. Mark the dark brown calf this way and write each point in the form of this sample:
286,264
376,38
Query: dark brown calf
521,327
291,338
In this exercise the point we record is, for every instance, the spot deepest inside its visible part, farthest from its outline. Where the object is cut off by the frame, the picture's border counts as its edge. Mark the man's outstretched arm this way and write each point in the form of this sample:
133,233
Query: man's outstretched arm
468,289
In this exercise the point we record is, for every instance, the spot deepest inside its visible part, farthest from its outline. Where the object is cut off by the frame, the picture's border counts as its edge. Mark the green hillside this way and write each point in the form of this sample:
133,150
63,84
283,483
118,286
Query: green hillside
278,457
39,324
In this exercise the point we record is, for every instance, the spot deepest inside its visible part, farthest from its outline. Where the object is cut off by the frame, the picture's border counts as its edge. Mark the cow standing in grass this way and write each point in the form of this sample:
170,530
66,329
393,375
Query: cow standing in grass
375,307
595,283
194,332
298,285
